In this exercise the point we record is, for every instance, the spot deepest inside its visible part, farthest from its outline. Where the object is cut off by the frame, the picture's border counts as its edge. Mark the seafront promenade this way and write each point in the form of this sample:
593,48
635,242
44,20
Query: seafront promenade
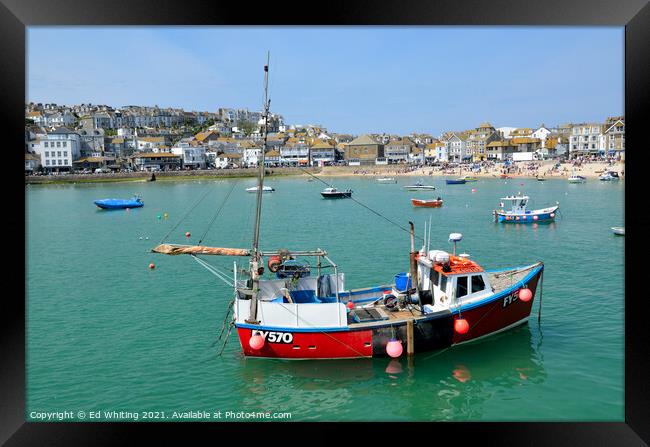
546,169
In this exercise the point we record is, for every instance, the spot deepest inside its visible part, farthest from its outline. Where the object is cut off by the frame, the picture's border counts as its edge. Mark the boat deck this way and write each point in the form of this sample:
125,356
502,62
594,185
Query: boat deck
378,313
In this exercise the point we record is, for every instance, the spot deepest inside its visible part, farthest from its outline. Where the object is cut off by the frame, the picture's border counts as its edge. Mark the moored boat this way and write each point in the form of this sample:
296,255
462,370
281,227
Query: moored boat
609,176
458,181
541,179
427,203
620,231
264,189
306,311
333,193
117,204
577,179
386,180
520,214
469,178
418,186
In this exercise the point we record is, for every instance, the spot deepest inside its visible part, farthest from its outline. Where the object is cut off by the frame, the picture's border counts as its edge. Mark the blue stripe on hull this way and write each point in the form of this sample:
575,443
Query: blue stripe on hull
528,218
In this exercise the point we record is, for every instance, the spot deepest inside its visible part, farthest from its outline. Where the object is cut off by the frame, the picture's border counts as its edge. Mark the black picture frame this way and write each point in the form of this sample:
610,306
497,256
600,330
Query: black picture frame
15,15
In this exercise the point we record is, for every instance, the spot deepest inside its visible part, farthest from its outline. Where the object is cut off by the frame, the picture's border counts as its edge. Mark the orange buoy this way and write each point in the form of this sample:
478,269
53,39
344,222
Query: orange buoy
461,326
152,266
256,342
350,305
394,348
525,295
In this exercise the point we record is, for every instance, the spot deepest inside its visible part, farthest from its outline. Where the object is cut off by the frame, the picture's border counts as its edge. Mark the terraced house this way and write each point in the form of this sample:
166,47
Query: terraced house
322,153
455,145
614,136
584,139
478,139
397,151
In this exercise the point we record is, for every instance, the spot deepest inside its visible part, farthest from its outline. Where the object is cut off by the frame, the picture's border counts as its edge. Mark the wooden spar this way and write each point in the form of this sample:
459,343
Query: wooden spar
410,345
180,249
172,249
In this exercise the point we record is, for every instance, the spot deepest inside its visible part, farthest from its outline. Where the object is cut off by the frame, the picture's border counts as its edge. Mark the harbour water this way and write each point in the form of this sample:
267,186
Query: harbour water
106,333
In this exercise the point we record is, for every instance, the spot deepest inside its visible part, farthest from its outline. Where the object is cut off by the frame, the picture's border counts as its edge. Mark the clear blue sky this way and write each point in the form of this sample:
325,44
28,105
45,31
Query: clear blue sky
349,79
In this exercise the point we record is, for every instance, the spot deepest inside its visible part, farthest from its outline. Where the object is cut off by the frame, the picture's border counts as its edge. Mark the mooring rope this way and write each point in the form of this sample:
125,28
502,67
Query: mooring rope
365,206
223,203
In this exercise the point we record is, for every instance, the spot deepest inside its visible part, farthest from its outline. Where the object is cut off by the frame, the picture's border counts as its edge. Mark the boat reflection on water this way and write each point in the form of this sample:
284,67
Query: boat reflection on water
516,227
450,384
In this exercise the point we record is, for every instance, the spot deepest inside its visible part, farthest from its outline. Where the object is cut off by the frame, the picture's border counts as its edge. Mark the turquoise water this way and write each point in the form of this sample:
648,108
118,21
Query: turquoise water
104,332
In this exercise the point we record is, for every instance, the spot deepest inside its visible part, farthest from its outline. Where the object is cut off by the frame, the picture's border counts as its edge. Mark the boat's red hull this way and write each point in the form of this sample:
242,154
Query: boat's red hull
427,203
495,315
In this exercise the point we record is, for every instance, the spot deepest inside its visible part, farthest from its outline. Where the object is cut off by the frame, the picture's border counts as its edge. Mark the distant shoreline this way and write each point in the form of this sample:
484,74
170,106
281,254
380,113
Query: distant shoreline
588,170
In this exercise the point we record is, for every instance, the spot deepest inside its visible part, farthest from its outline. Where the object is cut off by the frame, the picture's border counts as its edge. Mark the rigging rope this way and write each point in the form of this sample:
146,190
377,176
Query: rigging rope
218,211
365,206
222,276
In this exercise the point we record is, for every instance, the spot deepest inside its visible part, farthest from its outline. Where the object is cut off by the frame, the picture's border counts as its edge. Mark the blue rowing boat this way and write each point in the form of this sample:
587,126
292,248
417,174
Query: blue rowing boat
460,181
118,204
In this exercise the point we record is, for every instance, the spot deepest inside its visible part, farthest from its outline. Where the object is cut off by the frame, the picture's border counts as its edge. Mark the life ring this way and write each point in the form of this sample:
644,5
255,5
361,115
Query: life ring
274,263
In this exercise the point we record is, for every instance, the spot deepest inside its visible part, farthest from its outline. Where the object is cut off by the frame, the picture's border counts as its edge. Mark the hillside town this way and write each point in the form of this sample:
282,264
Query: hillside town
88,138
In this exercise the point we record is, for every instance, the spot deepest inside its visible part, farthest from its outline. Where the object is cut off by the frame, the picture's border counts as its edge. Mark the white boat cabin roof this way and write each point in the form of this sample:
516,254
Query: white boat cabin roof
515,198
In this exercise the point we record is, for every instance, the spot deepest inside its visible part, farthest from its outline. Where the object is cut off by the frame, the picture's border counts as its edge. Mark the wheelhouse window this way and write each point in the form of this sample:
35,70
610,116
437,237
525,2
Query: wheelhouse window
435,277
461,286
443,283
477,283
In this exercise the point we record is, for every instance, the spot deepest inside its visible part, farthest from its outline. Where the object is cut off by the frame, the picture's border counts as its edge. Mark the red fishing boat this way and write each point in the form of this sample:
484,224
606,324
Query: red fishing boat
303,310
427,203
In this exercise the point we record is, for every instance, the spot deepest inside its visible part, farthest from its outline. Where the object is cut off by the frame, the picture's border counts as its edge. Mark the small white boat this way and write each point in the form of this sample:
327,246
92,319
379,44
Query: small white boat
264,189
619,231
386,180
575,178
609,176
418,186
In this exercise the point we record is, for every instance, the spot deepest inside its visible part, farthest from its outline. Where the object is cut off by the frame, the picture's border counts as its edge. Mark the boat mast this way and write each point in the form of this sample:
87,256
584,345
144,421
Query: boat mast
255,268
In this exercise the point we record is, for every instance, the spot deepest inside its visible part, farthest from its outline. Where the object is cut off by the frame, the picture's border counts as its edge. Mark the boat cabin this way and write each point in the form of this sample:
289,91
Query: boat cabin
451,280
518,203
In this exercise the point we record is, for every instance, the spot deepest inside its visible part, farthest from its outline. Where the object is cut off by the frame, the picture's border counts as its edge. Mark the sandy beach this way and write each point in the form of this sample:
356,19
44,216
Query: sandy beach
545,169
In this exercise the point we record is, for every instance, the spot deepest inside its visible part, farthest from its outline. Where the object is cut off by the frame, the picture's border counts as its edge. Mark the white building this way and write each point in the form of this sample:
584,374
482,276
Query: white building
456,148
252,156
297,154
585,139
542,133
191,156
58,149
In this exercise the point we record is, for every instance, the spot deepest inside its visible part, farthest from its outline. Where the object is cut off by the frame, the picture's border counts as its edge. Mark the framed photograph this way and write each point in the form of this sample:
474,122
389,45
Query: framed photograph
406,213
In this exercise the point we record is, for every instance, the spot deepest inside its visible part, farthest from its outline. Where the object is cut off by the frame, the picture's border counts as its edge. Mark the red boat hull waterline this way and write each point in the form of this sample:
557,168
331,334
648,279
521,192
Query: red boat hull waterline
495,314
